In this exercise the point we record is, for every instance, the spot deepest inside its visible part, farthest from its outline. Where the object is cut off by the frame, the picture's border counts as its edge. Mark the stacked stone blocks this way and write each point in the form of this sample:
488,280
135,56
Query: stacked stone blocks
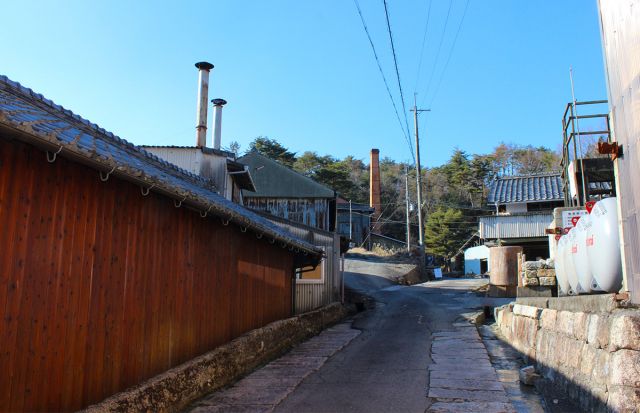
536,273
592,357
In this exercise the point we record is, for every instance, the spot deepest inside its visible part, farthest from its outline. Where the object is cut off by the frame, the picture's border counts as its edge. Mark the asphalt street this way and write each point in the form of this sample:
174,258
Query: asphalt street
386,368
412,350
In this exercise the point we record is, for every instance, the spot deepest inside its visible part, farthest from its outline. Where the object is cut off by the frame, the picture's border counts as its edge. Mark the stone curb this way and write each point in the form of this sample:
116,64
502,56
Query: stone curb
175,389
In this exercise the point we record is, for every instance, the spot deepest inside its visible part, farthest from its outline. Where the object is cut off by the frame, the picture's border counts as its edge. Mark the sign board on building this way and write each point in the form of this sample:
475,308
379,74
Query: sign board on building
570,218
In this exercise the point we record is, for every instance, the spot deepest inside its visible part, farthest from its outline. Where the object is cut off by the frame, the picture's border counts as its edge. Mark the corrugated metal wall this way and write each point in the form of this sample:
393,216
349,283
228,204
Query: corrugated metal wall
314,212
207,165
310,296
620,26
514,226
360,226
102,288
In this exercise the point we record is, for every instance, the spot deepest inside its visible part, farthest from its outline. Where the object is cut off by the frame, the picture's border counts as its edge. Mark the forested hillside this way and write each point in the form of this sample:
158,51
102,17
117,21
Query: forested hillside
454,193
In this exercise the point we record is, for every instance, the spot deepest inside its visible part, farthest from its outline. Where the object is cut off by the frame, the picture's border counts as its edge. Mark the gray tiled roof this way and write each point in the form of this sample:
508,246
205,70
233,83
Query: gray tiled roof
526,188
58,130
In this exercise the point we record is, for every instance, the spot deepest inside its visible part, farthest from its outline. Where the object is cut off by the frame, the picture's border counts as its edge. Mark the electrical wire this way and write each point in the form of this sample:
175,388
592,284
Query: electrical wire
424,39
384,79
435,62
395,62
455,39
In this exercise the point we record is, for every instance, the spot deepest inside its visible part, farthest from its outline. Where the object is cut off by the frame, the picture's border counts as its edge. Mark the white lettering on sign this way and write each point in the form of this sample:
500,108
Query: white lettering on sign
568,217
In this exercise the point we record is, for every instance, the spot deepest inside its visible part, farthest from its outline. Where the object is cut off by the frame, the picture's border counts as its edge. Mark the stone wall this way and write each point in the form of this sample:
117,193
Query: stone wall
536,273
175,389
593,357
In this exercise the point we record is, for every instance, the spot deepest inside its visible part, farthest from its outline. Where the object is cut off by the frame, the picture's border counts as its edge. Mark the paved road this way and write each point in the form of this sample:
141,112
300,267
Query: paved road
412,353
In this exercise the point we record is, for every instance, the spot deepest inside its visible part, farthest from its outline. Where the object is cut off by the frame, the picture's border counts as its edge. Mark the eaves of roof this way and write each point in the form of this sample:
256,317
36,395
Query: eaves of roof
40,122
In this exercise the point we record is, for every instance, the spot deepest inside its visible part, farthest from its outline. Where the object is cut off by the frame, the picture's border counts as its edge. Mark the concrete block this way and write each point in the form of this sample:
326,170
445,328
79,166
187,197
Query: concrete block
625,330
536,291
601,368
526,311
548,319
574,354
598,330
547,280
531,265
580,326
530,282
624,399
565,323
531,273
588,359
625,368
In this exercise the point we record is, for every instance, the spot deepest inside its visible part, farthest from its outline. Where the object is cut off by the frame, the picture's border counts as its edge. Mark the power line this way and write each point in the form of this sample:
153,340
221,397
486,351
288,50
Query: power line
395,62
384,79
435,62
455,39
424,39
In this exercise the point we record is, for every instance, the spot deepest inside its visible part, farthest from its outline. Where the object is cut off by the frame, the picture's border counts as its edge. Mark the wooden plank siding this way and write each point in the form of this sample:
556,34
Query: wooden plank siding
102,288
311,295
315,212
620,30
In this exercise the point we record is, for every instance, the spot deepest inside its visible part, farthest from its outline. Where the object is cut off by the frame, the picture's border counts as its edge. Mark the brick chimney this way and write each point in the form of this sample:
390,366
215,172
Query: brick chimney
374,187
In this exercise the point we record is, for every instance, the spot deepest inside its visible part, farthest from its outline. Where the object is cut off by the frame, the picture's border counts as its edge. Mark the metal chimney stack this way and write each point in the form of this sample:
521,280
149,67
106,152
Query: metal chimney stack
203,97
217,121
374,187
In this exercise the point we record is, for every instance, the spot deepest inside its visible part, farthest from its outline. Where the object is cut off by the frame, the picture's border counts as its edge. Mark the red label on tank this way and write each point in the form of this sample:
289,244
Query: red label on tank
574,220
589,205
558,237
590,242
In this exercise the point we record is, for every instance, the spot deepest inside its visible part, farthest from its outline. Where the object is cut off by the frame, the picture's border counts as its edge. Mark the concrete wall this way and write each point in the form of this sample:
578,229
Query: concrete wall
592,355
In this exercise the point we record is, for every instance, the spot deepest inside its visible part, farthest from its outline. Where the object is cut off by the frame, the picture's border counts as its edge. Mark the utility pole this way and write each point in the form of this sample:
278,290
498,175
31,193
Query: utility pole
350,223
415,111
406,195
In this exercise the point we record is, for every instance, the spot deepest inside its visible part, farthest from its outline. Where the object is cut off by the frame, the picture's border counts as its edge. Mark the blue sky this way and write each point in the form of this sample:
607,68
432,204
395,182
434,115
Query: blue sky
303,72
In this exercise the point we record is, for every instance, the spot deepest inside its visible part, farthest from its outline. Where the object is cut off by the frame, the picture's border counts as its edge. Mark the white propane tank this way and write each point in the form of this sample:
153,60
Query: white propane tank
580,259
603,246
561,276
570,270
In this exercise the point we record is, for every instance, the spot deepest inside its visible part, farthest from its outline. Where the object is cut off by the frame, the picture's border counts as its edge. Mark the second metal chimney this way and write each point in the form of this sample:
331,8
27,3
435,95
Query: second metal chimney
203,97
217,121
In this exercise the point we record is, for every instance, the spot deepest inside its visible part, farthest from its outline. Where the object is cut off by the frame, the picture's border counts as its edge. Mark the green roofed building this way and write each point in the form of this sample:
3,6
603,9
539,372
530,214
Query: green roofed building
285,193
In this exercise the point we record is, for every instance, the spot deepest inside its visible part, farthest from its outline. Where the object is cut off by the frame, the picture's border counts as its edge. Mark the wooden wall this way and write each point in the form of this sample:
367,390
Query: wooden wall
620,29
102,288
315,212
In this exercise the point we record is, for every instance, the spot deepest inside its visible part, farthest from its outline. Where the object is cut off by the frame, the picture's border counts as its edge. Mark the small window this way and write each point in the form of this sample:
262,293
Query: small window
310,275
502,209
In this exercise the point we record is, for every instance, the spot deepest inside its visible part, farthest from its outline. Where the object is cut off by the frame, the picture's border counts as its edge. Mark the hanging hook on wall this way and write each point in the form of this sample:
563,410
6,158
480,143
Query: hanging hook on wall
105,178
243,229
146,192
179,204
225,223
204,215
259,236
51,156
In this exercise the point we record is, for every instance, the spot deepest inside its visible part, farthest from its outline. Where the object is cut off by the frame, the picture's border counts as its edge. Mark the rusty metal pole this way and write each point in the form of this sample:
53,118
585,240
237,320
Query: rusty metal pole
203,96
